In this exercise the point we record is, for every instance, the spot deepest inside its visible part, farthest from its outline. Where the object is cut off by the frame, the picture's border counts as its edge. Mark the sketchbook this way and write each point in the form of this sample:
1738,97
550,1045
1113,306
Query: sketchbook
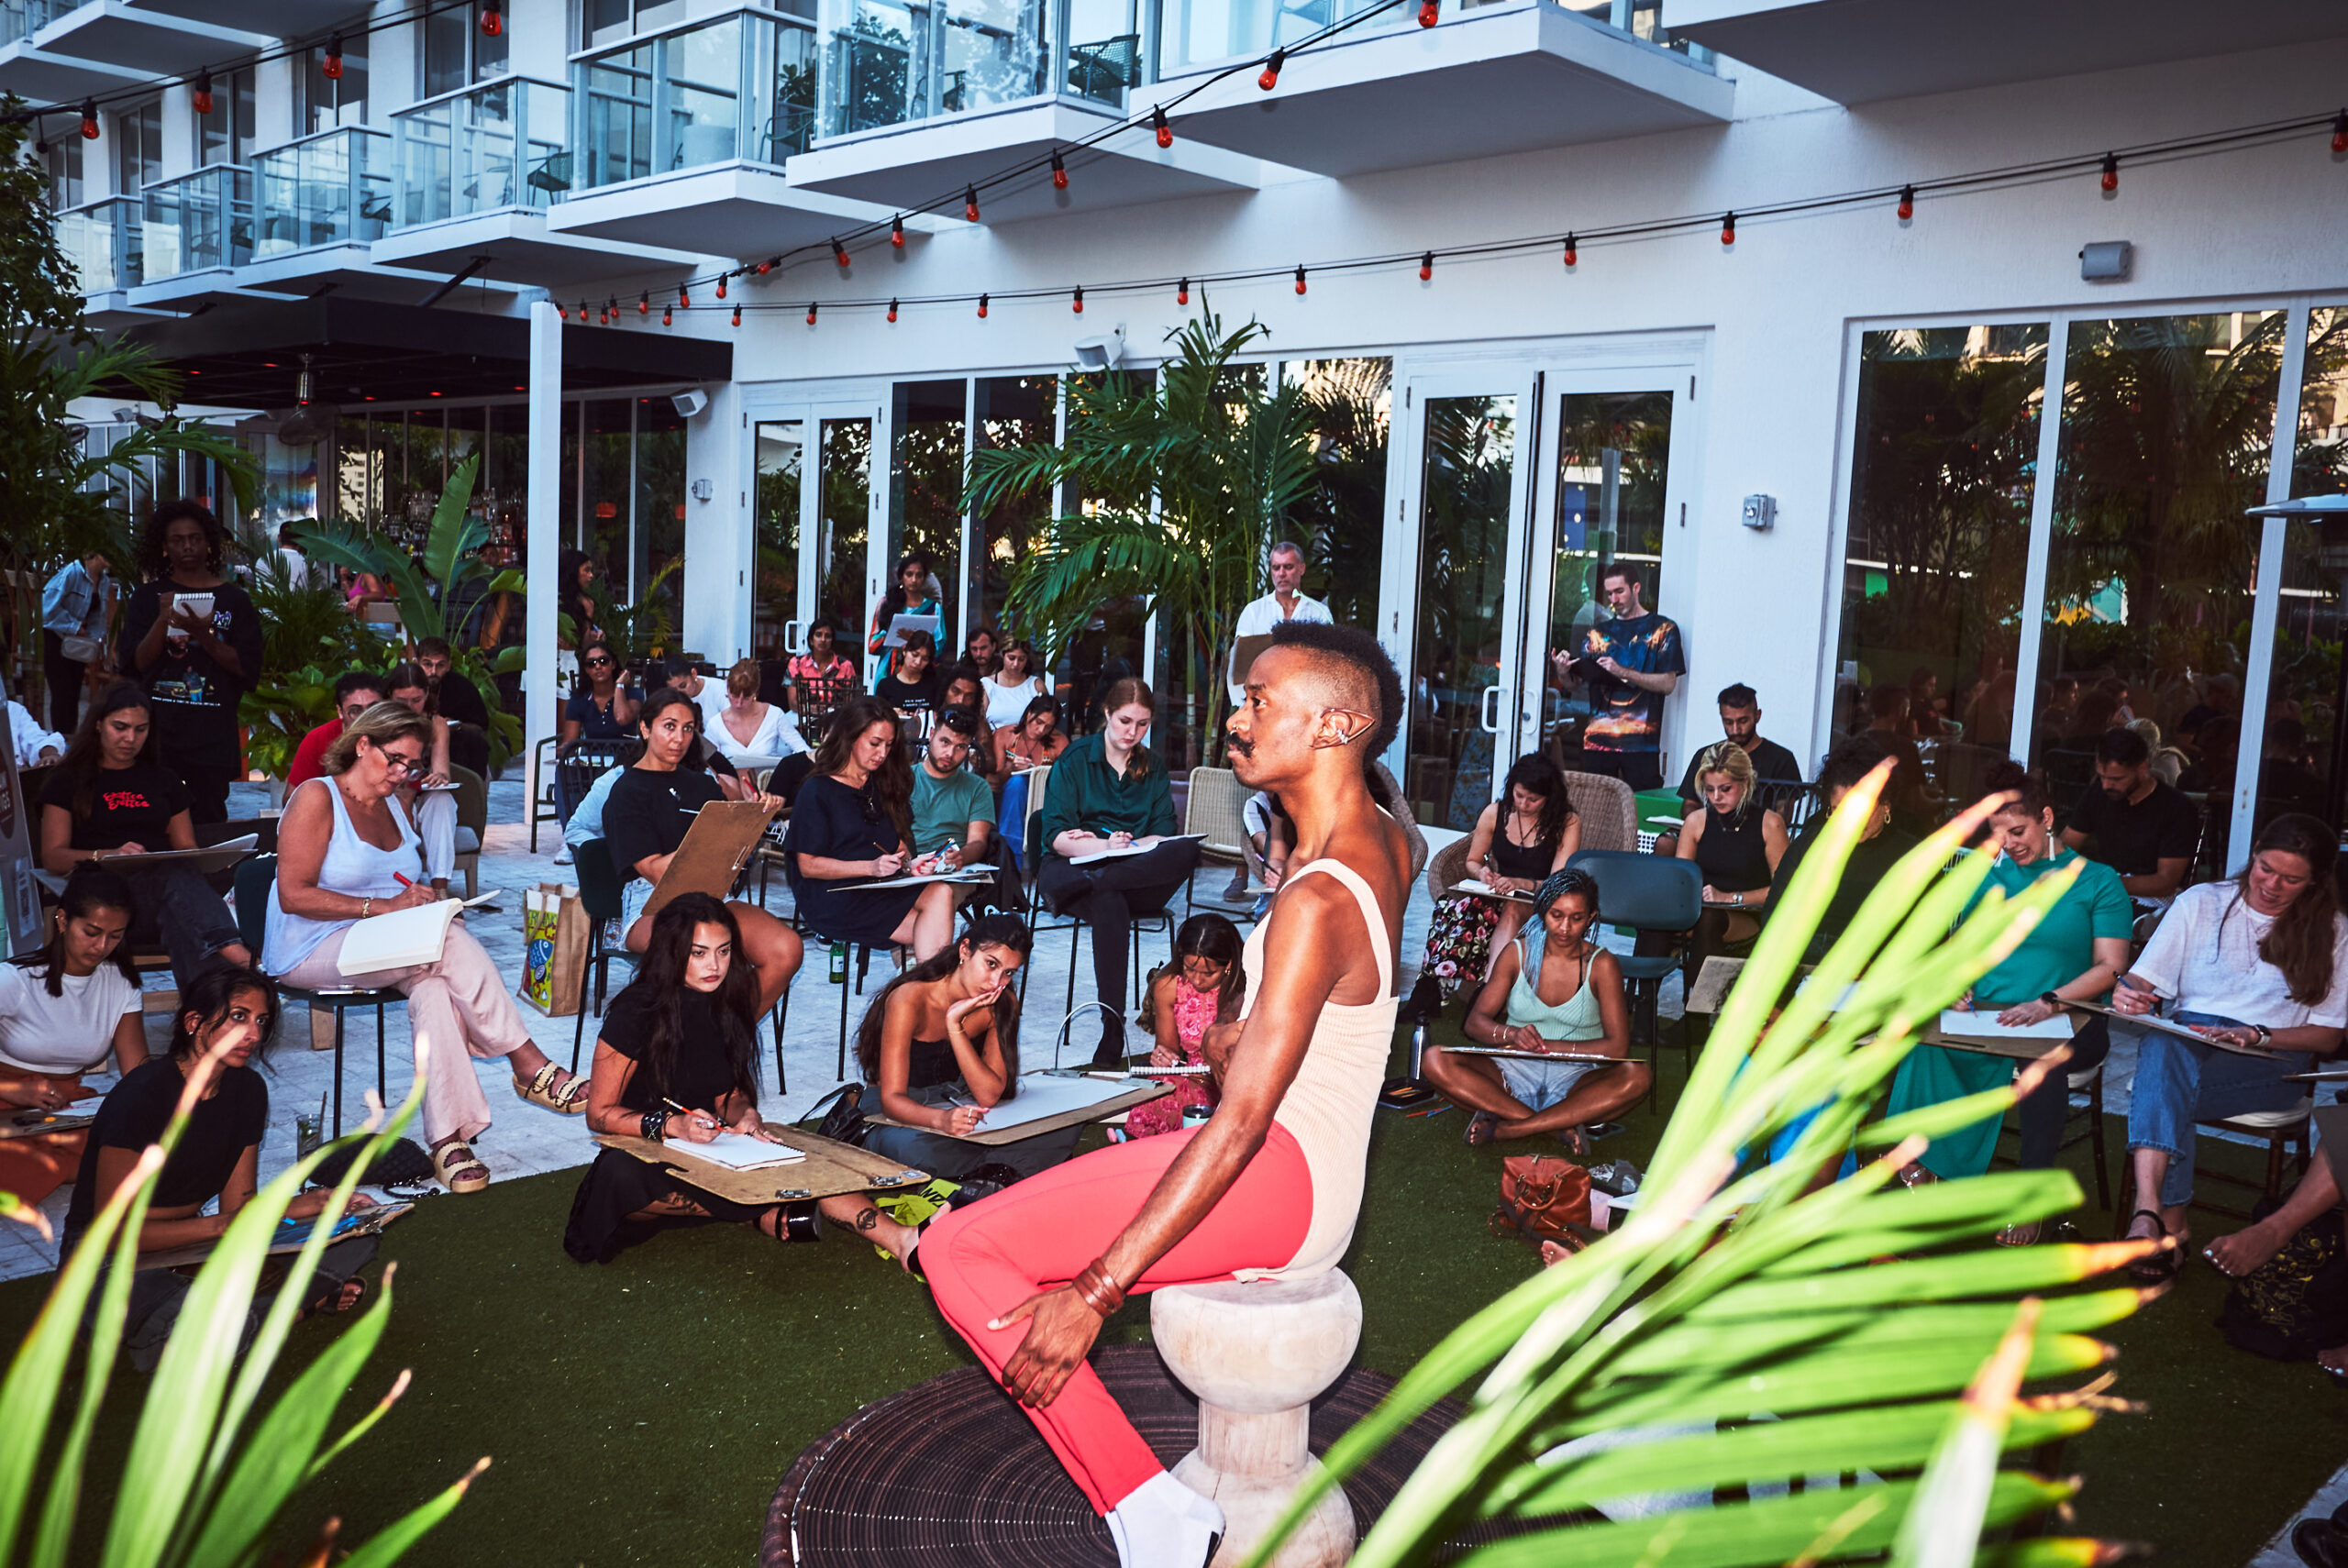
900,625
204,861
1514,1054
724,836
403,938
968,874
1045,1103
1985,1025
1100,854
737,1151
2182,1031
291,1236
1484,890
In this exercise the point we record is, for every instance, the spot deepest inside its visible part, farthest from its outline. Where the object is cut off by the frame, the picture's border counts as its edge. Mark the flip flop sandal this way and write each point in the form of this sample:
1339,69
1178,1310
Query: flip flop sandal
1575,1140
458,1167
2161,1267
1480,1128
2024,1235
569,1100
329,1302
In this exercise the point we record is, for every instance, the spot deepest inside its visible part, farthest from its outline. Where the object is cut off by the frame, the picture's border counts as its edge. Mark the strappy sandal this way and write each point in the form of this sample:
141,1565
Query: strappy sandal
2022,1235
1575,1140
329,1301
1914,1173
569,1100
1481,1127
2160,1267
458,1168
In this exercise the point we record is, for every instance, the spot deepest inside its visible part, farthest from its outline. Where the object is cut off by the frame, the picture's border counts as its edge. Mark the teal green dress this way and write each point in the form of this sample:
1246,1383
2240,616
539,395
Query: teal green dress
2056,952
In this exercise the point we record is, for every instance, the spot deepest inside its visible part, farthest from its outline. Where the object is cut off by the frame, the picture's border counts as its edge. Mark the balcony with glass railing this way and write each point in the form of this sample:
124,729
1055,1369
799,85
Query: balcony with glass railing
504,143
737,89
199,222
889,61
103,241
333,187
22,18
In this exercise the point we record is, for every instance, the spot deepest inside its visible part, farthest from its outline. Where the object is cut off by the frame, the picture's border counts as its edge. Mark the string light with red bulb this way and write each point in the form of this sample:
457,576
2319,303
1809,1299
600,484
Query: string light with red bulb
203,92
1430,12
561,313
644,304
721,290
1426,268
766,266
668,316
612,311
737,312
839,254
1182,292
1078,306
896,233
89,119
892,311
493,18
1271,77
982,307
582,312
971,204
811,313
2110,172
1165,131
1059,171
685,300
2339,132
333,64
1573,251
1728,229
1907,203
1300,280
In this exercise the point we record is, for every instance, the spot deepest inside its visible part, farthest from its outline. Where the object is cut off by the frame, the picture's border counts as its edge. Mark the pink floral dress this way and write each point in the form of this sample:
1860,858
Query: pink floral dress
1194,1012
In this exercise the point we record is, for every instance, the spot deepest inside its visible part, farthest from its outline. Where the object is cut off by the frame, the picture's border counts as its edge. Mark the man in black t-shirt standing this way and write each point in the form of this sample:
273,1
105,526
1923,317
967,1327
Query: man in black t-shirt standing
2141,828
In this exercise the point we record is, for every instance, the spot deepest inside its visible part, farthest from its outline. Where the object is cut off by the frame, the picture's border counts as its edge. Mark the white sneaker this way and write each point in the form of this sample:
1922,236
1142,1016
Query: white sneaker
563,856
1163,1524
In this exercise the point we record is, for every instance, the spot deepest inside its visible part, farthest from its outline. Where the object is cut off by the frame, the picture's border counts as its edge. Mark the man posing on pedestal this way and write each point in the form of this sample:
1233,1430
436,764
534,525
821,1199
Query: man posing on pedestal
1270,1186
1629,664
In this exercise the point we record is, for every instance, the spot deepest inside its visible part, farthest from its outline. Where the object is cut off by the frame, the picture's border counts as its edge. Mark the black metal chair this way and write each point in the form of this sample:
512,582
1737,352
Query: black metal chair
599,895
1647,893
253,881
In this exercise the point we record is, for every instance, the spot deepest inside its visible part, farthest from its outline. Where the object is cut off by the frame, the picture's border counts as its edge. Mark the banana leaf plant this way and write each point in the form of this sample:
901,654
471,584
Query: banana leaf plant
1755,1324
438,591
207,1474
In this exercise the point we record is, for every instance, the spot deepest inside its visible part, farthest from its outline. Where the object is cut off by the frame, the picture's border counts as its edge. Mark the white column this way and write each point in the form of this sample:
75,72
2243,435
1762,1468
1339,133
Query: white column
540,705
2041,540
2258,659
721,539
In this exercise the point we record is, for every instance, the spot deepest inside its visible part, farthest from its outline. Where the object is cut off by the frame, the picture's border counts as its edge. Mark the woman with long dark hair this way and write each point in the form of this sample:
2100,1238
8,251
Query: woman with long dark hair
225,1019
575,577
683,1034
908,594
1109,797
2259,961
63,1010
192,637
1014,685
852,822
111,796
1519,841
940,1048
602,708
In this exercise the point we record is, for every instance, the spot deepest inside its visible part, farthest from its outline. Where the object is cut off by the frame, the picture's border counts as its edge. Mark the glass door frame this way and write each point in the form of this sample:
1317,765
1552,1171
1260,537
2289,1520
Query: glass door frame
811,409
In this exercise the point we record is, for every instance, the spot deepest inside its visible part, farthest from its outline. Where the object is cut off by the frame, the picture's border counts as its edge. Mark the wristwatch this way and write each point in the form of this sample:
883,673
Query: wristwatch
2266,1036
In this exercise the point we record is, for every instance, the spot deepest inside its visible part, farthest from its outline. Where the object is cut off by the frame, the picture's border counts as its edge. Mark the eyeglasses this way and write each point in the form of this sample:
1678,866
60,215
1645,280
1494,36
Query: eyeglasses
599,664
401,762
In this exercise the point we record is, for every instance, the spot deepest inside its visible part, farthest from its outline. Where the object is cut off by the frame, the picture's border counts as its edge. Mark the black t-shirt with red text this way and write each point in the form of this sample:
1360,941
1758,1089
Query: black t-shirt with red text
128,805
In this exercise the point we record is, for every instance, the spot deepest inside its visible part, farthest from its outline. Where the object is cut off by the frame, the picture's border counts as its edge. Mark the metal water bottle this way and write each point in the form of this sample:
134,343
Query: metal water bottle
1418,1049
839,962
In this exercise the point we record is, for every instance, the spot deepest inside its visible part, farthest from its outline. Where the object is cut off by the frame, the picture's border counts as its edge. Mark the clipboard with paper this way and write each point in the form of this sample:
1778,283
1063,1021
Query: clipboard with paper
724,836
2160,1025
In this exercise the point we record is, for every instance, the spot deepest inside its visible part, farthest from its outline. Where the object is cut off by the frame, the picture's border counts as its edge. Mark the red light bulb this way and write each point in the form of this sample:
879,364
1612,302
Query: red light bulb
720,285
2339,132
1907,203
896,232
1059,171
1165,131
1573,253
1300,280
333,65
764,268
2110,172
1078,306
737,315
1271,77
668,316
1182,292
1430,14
1426,266
971,204
892,310
561,313
1728,229
203,92
685,300
982,307
811,313
90,118
493,18
839,254
644,304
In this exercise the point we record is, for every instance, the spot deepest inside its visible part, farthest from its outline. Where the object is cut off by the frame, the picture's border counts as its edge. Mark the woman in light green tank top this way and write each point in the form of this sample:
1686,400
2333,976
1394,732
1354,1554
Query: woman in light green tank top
1552,992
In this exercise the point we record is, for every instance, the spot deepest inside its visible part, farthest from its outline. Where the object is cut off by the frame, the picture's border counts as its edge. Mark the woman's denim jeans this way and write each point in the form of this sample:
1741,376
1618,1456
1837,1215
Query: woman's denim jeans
2180,1082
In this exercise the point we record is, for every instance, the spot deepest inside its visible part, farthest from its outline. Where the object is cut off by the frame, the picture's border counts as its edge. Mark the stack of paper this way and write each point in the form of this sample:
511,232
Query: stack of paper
738,1152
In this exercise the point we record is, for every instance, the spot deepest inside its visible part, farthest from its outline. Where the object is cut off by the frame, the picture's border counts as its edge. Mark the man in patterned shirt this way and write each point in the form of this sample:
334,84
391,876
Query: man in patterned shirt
1629,664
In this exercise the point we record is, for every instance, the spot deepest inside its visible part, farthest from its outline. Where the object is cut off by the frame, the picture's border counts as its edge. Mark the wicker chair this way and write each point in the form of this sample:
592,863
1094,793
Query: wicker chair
472,821
1609,811
1213,807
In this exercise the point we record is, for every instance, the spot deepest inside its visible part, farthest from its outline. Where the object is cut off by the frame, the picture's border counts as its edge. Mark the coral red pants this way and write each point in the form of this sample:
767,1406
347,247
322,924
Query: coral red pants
984,1261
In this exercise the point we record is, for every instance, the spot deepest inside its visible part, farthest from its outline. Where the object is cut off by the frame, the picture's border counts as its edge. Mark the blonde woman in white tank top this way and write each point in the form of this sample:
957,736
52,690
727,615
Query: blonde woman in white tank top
1269,1187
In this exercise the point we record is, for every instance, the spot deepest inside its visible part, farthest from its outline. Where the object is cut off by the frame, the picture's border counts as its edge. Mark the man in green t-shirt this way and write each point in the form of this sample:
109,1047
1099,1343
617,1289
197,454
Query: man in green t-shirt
953,810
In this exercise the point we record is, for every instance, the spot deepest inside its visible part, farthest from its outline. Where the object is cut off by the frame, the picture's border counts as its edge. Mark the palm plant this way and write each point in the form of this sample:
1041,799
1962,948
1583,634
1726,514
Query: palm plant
1182,484
439,589
1751,1326
206,1481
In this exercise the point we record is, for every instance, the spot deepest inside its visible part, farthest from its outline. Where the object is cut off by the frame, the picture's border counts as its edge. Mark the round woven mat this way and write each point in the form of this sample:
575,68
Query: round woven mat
949,1474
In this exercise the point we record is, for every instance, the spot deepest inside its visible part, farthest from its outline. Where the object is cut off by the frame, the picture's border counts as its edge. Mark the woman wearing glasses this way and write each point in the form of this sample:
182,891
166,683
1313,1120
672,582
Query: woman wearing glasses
604,708
346,851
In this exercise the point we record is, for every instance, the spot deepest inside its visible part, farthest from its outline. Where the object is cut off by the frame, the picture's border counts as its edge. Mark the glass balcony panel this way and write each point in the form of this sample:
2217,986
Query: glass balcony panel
742,87
198,221
894,62
330,189
102,240
1198,32
22,18
505,144
1104,49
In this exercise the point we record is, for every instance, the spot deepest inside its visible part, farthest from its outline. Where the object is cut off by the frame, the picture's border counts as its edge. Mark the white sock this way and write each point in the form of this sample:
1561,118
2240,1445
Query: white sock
1163,1524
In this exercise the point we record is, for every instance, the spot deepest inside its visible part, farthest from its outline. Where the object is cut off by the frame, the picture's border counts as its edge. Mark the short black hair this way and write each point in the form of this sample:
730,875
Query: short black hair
1352,646
358,680
1850,763
917,638
961,721
2124,748
1739,696
435,647
675,665
1622,569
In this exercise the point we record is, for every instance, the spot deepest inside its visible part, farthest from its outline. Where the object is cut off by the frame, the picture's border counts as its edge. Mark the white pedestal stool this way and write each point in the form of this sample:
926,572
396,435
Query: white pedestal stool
1256,1355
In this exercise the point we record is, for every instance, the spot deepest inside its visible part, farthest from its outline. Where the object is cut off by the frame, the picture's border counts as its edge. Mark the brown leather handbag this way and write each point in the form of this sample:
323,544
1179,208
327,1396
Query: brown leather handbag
1544,1198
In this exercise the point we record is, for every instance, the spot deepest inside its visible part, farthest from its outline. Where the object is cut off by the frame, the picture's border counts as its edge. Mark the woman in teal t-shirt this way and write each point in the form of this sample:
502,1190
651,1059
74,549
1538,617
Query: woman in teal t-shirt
2077,951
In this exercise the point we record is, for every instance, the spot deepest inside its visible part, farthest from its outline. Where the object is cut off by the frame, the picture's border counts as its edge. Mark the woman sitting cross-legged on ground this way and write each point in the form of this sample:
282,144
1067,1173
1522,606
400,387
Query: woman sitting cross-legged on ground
110,795
1202,988
2075,952
646,817
1552,990
851,824
684,1033
63,1010
1107,792
227,1017
2259,961
346,851
940,1046
1527,834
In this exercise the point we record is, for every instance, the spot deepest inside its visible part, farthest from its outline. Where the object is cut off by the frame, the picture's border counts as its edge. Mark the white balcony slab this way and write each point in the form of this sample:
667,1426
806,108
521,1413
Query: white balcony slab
1859,51
347,270
45,76
285,18
158,43
521,246
727,209
1490,81
897,168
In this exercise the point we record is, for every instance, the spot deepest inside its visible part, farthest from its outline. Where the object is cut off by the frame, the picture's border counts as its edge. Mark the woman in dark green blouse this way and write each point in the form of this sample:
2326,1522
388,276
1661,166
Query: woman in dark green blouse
1108,794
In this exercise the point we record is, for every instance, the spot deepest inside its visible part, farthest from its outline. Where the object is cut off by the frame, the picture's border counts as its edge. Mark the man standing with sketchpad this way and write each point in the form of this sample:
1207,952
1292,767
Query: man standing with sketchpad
1270,1187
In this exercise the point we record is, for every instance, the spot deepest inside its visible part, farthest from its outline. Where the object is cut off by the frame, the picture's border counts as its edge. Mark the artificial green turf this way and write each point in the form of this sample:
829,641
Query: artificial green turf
644,1411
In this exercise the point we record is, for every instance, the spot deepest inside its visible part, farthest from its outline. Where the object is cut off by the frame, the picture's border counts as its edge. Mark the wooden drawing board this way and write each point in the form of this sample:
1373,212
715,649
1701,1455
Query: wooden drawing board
2023,1048
41,1123
1243,653
1712,982
204,862
2159,1025
1114,1105
830,1168
723,835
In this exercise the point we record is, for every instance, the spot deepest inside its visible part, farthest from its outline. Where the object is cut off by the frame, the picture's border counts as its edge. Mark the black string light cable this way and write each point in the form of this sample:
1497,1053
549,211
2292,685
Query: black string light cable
1905,195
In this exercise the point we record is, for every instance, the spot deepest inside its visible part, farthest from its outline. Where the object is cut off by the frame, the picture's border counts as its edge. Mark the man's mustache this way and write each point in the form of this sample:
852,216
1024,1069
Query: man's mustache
1243,747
